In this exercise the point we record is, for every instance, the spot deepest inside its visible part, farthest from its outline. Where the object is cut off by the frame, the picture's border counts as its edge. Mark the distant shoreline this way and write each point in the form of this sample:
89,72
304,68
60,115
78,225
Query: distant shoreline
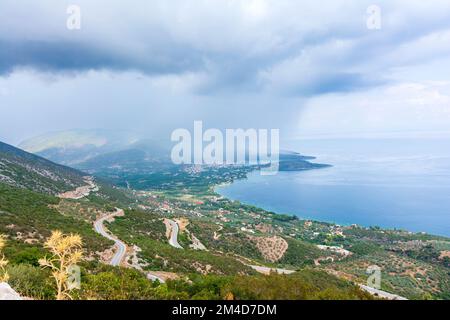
276,211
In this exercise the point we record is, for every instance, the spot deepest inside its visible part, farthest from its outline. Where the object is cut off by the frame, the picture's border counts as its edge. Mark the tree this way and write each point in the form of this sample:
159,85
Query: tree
66,252
3,262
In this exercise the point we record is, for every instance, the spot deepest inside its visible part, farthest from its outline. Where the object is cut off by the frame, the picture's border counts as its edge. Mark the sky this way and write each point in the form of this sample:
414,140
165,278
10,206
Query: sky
311,69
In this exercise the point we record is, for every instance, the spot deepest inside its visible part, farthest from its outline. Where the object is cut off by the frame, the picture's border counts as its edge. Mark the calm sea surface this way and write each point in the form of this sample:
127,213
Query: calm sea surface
388,183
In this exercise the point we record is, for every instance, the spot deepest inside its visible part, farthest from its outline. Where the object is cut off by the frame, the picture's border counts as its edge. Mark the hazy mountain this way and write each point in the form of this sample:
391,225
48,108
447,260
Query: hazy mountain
81,148
97,151
75,146
25,170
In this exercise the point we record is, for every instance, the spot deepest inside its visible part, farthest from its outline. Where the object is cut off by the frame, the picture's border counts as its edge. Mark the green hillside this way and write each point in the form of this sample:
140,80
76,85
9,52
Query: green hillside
26,218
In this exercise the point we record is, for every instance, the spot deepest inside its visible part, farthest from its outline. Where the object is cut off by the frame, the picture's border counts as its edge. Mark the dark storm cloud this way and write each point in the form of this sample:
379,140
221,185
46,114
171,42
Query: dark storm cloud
63,56
162,64
290,47
339,82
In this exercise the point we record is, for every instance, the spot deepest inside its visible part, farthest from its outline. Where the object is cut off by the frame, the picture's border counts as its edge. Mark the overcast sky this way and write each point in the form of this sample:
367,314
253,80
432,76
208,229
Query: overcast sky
311,68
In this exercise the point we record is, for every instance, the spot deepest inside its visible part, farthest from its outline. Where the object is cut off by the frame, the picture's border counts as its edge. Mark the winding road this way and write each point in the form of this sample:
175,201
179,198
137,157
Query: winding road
173,240
153,277
381,294
121,247
84,191
100,228
267,270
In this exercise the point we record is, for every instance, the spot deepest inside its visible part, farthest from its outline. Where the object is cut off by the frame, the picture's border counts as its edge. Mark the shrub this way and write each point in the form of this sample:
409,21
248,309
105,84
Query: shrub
30,281
117,284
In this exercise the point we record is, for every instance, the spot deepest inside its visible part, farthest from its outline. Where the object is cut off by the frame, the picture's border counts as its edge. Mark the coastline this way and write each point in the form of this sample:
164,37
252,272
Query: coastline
302,218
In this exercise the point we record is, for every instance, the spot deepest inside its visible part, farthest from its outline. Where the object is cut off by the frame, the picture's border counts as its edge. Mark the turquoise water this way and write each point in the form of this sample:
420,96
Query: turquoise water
392,184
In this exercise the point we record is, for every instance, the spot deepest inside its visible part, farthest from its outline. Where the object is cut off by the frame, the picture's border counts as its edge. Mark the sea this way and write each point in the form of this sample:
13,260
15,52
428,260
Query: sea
390,183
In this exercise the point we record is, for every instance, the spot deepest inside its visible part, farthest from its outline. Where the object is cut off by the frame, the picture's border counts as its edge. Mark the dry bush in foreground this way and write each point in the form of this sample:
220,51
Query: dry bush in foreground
66,252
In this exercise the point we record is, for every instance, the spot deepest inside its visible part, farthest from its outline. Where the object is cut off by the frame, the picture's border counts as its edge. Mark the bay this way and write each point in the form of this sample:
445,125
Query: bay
391,184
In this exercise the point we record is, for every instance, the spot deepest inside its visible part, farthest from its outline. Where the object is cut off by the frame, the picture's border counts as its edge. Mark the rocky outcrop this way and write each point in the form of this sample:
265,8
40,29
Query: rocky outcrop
7,293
